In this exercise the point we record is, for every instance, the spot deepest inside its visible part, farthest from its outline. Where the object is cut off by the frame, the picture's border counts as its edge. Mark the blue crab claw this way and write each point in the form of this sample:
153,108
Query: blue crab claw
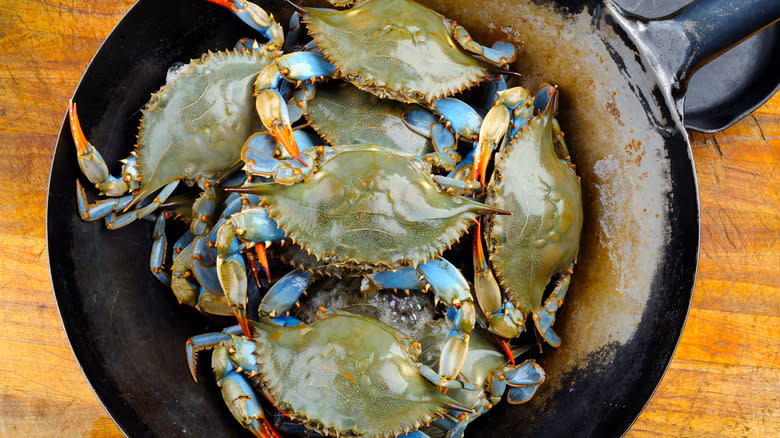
259,158
90,161
248,226
94,167
272,110
527,373
492,132
256,18
544,316
450,287
504,319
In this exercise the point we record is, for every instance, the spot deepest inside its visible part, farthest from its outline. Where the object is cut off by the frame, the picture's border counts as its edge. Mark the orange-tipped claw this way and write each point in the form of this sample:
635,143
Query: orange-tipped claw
262,259
82,145
266,430
243,321
283,133
505,346
273,113
480,163
493,129
480,264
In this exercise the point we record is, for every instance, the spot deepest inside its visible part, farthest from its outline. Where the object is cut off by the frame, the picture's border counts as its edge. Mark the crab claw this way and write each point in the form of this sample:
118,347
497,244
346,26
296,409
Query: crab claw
199,343
256,18
89,159
243,321
273,113
493,129
262,259
546,99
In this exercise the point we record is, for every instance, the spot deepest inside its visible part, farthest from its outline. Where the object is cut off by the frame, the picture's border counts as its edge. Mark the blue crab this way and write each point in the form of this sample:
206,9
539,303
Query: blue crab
534,179
192,129
366,210
342,375
432,56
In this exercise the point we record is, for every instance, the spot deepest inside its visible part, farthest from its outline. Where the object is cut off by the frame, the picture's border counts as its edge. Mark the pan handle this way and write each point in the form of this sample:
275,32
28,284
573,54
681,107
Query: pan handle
680,43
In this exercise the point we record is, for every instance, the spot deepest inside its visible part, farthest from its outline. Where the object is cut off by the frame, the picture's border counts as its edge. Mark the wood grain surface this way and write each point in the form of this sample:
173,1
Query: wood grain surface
724,379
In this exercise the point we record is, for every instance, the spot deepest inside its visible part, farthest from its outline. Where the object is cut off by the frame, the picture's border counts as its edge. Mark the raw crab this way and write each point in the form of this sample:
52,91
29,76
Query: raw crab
192,129
342,375
534,179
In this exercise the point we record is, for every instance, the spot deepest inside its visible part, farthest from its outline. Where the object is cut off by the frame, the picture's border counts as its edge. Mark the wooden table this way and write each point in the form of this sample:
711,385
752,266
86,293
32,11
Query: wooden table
724,379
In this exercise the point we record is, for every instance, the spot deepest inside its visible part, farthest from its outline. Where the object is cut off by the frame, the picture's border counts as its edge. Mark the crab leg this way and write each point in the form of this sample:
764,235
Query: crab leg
249,226
100,209
449,286
497,85
456,120
114,222
94,167
510,113
501,54
159,249
256,18
544,316
504,319
240,398
285,293
259,153
294,67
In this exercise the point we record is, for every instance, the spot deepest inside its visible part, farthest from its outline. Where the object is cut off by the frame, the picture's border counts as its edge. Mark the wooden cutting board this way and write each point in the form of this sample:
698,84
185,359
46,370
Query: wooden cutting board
723,381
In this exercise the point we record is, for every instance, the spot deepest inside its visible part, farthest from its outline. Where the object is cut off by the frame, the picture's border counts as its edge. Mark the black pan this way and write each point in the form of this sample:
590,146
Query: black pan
622,82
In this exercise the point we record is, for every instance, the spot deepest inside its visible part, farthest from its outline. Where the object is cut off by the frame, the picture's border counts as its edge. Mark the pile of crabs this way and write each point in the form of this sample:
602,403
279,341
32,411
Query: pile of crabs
339,173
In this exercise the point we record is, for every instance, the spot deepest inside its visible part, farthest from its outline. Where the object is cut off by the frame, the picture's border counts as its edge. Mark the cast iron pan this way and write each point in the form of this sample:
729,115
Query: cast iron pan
620,102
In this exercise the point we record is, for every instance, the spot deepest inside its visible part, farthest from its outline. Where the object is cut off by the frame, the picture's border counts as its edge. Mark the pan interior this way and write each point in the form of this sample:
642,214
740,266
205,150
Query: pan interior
632,283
